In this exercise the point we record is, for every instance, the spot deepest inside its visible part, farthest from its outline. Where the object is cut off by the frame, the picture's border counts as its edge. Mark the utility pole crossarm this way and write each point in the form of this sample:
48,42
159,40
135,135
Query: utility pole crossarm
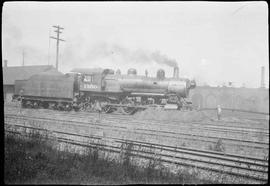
58,27
58,31
57,38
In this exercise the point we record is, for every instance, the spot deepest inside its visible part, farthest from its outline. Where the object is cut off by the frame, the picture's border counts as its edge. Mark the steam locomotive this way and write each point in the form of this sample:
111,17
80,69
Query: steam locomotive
84,89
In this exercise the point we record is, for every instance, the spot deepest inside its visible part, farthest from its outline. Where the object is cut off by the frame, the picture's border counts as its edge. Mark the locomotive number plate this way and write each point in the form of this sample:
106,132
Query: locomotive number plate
90,86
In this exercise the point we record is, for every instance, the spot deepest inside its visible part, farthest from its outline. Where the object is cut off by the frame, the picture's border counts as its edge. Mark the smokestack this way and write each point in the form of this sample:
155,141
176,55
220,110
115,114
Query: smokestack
262,77
176,72
5,63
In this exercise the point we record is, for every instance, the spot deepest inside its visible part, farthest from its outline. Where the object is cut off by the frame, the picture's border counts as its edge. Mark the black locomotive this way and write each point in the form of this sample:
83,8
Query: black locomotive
82,89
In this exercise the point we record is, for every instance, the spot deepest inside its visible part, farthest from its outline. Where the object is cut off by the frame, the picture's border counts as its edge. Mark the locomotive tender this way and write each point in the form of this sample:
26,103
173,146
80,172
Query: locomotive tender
82,89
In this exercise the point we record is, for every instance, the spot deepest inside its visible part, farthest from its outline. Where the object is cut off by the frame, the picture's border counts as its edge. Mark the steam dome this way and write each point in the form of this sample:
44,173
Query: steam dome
161,74
132,71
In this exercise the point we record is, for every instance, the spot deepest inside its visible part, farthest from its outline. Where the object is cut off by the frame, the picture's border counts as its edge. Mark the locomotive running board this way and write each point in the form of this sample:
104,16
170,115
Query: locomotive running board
170,107
147,94
134,106
120,105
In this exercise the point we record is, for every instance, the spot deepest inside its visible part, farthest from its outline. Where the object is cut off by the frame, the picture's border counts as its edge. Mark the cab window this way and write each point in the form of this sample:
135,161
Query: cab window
88,78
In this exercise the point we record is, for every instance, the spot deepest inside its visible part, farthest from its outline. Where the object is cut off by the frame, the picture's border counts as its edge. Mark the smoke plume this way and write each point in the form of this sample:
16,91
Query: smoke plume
163,59
115,53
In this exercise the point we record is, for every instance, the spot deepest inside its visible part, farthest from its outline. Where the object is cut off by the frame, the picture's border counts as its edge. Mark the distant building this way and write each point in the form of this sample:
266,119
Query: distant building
252,99
10,74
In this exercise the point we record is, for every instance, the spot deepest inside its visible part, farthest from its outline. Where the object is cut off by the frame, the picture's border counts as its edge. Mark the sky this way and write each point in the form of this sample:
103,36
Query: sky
211,42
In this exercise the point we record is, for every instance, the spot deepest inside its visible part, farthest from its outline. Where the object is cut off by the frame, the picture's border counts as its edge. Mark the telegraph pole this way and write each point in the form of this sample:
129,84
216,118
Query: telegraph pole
49,47
58,28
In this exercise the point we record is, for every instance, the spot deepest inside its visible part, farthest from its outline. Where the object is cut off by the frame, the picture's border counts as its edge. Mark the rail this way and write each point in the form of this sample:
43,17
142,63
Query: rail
202,109
149,132
231,164
237,110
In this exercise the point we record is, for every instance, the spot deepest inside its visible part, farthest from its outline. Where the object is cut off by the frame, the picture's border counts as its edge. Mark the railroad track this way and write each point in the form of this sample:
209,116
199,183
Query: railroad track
119,115
235,165
191,127
229,126
155,134
198,125
260,114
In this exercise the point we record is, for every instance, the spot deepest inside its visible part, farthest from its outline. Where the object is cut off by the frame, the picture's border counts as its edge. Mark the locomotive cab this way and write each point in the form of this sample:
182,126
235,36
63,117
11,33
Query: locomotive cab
92,80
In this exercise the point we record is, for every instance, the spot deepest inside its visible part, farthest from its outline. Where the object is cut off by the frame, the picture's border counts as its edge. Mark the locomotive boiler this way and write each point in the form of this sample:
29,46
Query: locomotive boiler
81,89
